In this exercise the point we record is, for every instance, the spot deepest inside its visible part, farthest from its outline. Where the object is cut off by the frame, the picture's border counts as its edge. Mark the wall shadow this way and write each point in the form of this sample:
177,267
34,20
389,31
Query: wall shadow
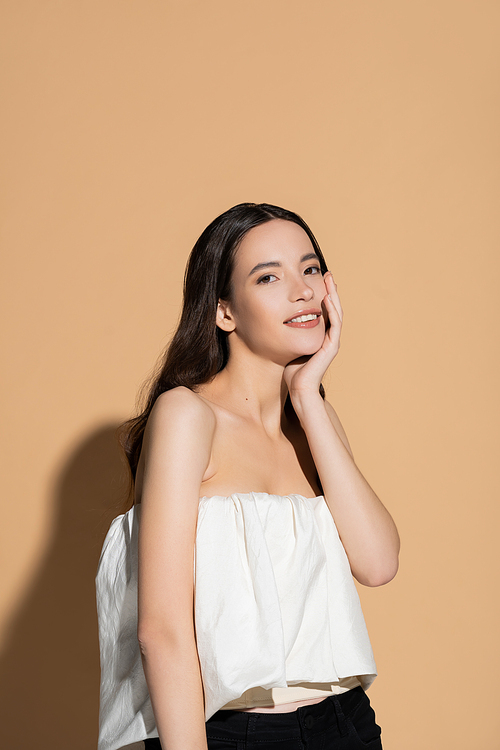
49,670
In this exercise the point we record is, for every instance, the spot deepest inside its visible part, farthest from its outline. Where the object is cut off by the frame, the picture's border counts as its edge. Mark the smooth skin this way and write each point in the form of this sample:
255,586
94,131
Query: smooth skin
233,435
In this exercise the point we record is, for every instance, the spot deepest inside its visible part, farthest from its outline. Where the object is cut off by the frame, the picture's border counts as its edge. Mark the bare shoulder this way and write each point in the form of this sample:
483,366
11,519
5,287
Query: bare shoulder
179,432
182,399
180,409
334,419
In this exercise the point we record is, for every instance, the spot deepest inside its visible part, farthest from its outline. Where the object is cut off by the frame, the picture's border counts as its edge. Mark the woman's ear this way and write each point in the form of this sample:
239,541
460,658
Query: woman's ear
224,318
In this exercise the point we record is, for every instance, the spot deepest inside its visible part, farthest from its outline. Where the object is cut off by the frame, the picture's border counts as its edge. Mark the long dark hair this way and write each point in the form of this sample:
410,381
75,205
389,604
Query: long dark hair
199,348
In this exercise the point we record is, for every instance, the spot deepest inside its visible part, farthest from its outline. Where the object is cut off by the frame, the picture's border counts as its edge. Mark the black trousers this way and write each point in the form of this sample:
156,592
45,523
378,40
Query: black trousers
339,722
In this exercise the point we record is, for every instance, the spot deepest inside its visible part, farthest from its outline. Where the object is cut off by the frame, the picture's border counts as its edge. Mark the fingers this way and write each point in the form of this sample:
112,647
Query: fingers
332,296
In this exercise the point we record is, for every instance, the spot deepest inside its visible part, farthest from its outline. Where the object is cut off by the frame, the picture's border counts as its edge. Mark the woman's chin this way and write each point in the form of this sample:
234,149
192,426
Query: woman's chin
299,358
312,348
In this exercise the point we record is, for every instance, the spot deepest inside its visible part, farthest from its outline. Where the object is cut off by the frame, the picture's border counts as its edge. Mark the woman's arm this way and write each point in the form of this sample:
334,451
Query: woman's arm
366,528
368,533
177,444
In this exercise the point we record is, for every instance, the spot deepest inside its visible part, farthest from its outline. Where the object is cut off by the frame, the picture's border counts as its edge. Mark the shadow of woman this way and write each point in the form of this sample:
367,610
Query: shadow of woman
49,671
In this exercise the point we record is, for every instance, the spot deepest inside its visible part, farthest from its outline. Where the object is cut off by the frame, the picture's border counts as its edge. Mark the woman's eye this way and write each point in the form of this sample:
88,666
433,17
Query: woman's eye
265,279
315,269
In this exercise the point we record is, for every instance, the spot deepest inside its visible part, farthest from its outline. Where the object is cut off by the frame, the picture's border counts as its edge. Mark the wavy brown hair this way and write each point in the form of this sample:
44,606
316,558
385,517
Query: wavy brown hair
199,348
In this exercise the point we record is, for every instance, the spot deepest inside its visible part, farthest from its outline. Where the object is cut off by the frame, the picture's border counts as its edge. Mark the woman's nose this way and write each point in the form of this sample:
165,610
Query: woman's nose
302,290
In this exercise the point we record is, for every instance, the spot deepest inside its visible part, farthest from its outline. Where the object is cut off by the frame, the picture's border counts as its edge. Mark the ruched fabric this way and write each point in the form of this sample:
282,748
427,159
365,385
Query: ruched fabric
275,605
275,601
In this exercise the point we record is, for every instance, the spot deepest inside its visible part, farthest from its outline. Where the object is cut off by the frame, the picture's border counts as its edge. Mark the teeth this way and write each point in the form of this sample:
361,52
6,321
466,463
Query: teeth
303,318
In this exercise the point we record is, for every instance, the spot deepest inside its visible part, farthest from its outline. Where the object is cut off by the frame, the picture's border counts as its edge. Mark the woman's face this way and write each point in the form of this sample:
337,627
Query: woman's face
276,278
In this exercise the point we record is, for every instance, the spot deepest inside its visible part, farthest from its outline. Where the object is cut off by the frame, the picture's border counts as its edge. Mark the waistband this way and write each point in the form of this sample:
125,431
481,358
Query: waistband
299,693
240,726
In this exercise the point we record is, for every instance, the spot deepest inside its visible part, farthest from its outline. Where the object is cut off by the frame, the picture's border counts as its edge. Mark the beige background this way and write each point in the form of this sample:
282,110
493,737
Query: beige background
127,127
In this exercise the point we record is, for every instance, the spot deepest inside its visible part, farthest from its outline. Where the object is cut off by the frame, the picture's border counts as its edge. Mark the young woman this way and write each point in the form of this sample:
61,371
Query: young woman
253,518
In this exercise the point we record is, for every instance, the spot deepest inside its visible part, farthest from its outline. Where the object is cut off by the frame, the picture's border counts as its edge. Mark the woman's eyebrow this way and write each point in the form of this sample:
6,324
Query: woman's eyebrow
277,264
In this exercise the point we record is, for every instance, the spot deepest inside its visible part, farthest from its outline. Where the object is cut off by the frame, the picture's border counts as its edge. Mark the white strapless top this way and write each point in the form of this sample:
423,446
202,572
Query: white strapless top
275,606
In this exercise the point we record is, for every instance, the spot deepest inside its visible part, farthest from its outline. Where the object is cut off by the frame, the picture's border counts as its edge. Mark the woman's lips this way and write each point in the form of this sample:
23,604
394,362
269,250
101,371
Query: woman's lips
305,324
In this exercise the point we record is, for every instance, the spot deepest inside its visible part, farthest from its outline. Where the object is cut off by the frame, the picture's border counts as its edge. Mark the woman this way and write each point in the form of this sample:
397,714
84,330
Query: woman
241,465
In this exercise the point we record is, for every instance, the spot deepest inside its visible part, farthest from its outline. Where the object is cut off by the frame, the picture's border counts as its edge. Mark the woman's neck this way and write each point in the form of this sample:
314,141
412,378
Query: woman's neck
253,389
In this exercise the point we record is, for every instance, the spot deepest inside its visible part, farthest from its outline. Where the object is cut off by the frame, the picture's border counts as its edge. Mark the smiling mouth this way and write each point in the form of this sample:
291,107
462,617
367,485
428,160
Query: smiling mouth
308,320
303,318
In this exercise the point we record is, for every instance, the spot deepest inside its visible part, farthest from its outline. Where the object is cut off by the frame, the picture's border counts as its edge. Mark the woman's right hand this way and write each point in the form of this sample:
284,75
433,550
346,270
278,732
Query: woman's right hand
305,377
